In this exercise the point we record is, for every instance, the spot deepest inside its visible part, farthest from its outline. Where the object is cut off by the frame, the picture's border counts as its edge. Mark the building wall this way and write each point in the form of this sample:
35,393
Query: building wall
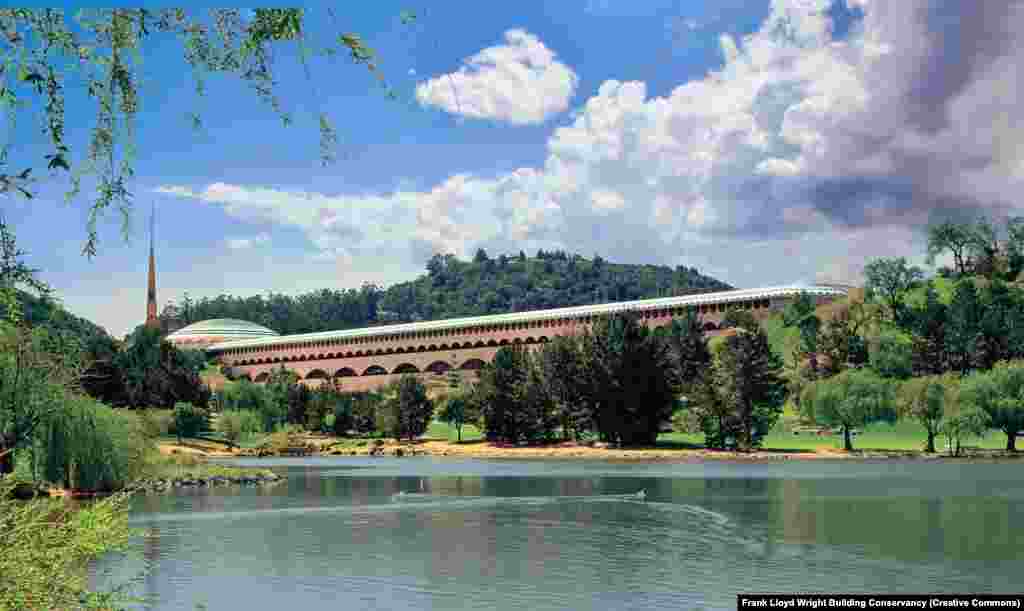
354,361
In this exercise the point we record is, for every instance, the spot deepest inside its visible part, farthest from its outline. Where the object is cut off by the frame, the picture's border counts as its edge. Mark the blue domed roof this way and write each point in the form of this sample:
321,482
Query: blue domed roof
218,330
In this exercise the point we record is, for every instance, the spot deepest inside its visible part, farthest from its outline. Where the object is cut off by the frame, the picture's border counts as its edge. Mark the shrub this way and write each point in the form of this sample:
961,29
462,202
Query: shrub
156,422
46,545
90,446
364,416
342,419
238,424
189,420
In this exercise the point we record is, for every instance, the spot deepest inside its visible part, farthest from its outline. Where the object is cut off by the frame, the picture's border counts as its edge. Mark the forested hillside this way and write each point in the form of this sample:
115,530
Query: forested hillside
40,312
453,288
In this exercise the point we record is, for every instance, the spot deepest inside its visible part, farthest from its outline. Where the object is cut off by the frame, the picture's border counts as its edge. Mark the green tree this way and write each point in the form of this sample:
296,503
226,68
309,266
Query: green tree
499,393
924,400
739,319
999,393
998,307
280,389
957,238
153,372
849,400
455,412
36,375
800,313
563,370
929,340
961,419
1014,248
963,327
632,380
189,420
892,354
750,385
890,280
840,339
409,409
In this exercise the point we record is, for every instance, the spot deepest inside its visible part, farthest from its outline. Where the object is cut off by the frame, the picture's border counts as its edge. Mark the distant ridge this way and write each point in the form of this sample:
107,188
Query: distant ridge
453,288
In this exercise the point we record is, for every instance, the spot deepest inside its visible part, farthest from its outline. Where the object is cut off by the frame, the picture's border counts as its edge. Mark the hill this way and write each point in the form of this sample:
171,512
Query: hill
452,288
41,312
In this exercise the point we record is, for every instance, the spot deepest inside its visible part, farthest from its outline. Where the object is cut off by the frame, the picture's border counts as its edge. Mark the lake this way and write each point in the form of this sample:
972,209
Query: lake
437,533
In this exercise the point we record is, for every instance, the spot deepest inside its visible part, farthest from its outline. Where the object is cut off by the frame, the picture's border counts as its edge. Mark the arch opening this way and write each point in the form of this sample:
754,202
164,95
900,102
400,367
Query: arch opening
472,365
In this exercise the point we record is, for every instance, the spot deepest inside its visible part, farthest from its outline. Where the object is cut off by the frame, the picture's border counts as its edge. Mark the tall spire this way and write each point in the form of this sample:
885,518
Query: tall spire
151,318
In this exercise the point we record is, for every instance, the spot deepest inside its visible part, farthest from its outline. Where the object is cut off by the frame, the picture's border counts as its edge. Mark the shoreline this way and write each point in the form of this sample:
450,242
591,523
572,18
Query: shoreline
320,446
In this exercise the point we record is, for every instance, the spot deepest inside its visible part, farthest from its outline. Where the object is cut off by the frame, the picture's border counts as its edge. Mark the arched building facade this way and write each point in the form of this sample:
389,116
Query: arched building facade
368,358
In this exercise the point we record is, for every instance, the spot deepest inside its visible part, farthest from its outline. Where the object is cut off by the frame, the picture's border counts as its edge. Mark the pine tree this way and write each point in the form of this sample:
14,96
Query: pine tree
749,378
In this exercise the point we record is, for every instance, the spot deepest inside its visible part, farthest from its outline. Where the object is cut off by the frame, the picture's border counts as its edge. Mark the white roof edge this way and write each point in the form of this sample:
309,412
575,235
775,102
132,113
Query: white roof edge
603,308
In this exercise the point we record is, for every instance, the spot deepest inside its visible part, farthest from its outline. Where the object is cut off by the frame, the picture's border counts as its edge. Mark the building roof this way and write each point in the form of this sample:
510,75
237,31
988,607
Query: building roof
223,328
517,317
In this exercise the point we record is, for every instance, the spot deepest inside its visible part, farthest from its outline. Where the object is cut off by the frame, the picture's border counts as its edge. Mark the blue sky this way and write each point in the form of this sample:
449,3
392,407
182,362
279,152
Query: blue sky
761,142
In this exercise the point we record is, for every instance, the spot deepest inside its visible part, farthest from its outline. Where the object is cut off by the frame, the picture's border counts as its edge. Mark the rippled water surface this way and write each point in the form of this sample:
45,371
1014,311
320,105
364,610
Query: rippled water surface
421,533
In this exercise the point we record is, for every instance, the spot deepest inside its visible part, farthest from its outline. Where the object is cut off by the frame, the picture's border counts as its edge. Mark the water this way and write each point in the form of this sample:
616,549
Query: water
422,533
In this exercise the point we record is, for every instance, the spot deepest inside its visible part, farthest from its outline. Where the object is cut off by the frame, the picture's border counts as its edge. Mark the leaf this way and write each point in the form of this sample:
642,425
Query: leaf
58,161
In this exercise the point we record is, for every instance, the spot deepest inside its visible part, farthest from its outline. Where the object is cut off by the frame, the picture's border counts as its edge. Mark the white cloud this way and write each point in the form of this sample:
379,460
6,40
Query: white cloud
247,243
821,151
519,82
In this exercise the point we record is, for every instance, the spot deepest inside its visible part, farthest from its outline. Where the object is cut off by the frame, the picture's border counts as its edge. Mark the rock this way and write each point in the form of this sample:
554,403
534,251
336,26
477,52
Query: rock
399,452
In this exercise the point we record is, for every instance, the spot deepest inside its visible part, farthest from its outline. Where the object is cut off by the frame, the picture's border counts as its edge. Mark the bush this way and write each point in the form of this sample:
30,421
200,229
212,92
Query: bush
189,420
156,422
47,543
90,446
341,420
364,416
238,424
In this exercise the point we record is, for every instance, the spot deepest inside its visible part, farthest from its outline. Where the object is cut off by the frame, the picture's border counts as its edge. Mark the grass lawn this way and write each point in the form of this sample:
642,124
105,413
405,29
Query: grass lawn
900,436
444,432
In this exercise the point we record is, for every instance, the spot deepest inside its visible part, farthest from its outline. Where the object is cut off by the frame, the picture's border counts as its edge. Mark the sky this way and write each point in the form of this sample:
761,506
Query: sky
761,142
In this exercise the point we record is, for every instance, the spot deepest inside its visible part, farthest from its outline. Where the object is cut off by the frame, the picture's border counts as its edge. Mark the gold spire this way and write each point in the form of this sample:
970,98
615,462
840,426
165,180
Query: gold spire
151,318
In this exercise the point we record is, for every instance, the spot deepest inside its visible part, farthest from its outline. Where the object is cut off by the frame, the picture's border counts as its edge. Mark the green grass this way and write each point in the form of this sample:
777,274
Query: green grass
902,436
176,466
878,437
445,432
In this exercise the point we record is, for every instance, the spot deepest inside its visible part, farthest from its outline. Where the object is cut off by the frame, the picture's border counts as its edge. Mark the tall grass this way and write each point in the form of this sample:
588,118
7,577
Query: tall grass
90,446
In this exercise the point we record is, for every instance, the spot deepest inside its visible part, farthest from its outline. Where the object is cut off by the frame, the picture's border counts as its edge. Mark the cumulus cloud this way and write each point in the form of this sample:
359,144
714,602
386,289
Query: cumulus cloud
802,155
519,82
247,243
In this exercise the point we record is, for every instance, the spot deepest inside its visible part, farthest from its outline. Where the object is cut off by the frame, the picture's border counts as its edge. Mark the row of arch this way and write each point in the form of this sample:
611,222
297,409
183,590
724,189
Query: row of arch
437,368
646,314
385,351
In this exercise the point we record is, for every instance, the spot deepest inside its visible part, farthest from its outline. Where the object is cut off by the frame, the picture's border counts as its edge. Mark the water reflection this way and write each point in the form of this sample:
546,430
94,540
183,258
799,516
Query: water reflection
548,536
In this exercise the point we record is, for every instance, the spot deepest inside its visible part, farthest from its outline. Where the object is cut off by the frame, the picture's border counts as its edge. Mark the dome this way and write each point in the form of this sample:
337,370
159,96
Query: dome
218,330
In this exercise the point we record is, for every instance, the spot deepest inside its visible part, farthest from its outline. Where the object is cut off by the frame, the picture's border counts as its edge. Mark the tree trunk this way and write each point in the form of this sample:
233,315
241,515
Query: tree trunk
1011,441
847,440
930,447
